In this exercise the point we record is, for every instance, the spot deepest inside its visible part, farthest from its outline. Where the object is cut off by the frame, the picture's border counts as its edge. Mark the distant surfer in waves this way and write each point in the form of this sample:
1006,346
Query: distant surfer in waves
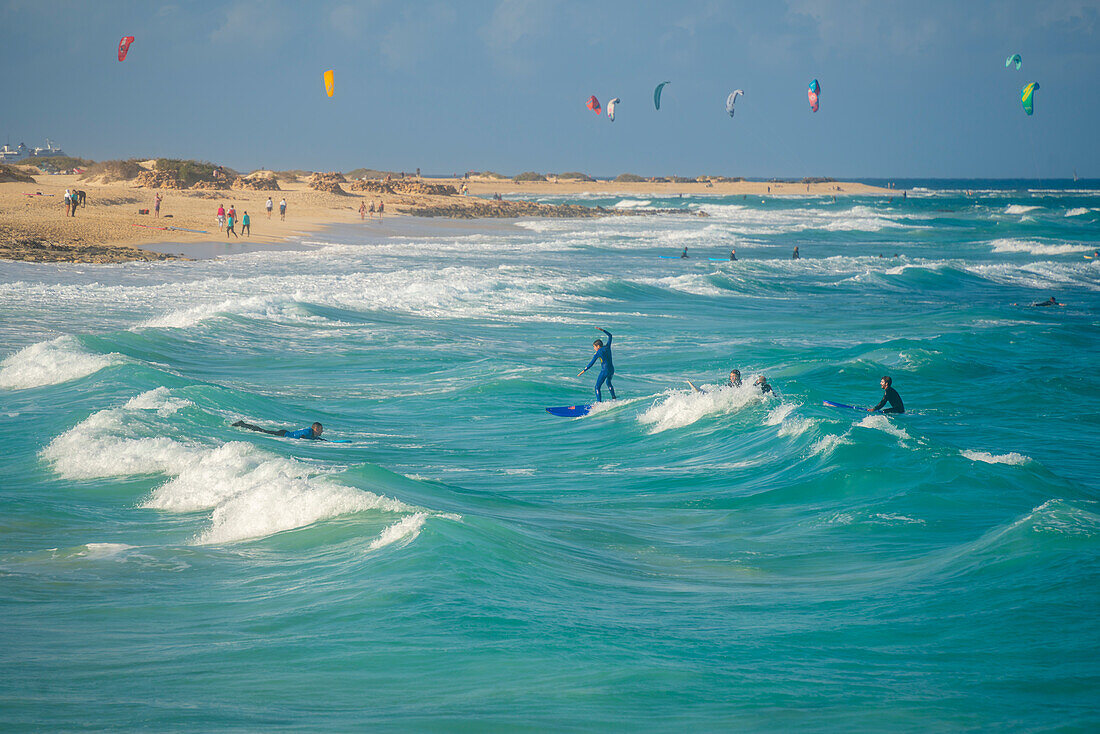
684,254
762,383
890,395
795,255
733,255
1052,302
603,353
312,433
735,379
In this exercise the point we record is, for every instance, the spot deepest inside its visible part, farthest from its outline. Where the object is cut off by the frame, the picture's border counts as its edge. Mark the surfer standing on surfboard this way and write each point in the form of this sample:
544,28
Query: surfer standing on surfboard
602,353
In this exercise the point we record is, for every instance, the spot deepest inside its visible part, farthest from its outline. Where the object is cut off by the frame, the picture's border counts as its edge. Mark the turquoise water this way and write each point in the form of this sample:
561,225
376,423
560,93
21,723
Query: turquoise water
714,560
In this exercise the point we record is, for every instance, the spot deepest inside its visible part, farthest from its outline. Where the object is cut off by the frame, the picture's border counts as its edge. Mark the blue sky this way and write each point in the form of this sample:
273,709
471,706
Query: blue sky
908,89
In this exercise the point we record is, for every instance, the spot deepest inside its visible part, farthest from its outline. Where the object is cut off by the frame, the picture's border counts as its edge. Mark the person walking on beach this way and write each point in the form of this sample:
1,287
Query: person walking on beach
282,210
607,371
233,212
795,255
229,227
381,208
68,203
156,206
889,395
268,206
371,210
221,217
246,225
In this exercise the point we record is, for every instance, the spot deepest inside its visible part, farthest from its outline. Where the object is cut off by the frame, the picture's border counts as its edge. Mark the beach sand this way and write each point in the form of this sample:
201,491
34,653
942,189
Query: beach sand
109,228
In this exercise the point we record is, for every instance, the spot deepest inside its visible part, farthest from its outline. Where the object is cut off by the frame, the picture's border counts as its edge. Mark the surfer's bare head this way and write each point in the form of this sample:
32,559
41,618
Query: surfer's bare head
317,429
597,345
886,382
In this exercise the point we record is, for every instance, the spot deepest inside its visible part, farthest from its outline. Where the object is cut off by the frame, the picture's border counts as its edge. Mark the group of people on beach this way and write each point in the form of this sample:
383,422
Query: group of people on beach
227,220
73,199
364,210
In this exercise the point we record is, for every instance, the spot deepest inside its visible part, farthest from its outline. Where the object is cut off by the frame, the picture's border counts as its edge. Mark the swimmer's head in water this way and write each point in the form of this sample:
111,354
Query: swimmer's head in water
317,429
761,380
886,382
598,344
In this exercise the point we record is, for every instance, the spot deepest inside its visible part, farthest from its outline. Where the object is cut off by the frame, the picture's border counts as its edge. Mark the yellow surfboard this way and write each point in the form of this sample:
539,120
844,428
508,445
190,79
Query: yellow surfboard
330,84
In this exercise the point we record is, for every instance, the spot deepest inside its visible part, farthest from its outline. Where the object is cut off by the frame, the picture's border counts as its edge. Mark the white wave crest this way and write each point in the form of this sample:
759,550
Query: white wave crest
405,528
632,203
1020,209
248,492
988,458
1036,248
681,409
51,363
882,423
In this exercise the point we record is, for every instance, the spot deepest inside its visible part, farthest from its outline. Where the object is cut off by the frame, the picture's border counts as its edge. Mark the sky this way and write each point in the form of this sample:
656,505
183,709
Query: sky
909,89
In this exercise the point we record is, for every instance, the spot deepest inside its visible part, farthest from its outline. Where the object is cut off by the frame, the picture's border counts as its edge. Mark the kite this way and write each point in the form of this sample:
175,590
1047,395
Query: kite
731,99
330,82
124,47
657,94
812,93
611,109
1014,59
1026,97
594,104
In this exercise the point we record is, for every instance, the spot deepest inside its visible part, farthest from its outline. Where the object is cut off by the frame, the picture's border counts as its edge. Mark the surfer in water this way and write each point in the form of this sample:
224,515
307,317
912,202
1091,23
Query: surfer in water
735,379
602,353
684,254
312,433
795,255
733,255
1052,302
762,383
889,395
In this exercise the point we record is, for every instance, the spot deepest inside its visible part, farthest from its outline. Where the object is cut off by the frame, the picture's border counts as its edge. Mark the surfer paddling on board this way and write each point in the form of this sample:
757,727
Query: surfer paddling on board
889,395
602,353
312,433
762,383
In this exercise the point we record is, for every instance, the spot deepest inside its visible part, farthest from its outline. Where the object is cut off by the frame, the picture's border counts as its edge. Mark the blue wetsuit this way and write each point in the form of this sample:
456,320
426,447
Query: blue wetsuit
604,355
301,433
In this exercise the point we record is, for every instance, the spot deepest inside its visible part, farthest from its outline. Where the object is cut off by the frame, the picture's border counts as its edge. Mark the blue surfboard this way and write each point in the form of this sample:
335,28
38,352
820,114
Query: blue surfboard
831,404
570,411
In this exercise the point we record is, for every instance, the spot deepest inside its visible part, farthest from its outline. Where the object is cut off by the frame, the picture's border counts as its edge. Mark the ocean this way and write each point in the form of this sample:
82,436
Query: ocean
718,560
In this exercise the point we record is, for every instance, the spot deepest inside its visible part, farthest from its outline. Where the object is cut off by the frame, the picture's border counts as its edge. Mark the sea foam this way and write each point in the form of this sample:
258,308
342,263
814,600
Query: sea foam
51,363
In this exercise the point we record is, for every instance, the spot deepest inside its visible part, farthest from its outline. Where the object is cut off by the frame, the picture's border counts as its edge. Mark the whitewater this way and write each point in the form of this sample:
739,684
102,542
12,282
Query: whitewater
721,560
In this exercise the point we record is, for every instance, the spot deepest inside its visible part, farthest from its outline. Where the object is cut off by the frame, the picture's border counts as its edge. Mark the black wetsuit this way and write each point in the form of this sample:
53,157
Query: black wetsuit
890,396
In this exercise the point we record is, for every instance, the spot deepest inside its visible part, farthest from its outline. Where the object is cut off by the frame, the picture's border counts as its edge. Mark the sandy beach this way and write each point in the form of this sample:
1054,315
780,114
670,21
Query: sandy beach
110,227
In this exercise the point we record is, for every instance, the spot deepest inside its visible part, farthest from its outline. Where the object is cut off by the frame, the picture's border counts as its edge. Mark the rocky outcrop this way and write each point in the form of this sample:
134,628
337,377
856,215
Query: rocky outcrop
221,183
407,186
256,182
329,182
34,249
482,209
158,180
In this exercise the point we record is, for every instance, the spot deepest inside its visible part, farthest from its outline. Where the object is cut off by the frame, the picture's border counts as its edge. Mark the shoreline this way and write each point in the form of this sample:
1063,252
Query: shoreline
110,229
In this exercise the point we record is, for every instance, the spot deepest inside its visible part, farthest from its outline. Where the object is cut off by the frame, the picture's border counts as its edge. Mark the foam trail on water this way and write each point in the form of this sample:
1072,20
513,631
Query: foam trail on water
405,528
51,363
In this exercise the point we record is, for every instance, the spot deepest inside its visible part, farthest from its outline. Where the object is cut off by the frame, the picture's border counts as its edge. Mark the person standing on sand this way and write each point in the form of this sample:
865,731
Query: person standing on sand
381,208
268,206
221,217
362,210
232,211
371,210
246,225
229,227
282,210
68,203
156,206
